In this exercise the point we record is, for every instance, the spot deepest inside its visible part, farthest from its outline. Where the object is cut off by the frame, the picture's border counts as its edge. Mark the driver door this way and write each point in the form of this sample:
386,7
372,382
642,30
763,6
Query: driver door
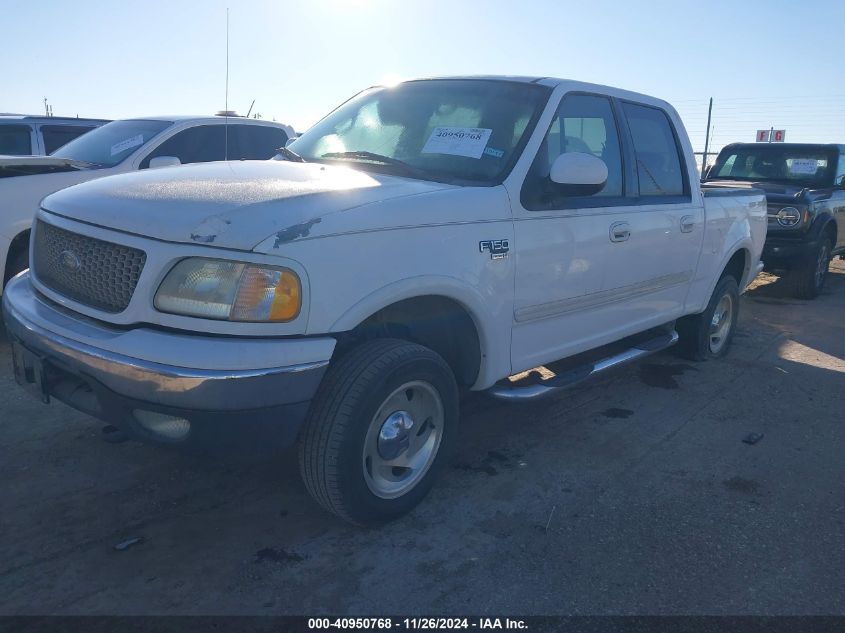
563,243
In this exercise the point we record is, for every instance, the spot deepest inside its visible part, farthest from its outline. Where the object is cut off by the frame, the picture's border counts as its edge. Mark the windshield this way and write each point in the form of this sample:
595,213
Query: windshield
109,144
448,130
808,166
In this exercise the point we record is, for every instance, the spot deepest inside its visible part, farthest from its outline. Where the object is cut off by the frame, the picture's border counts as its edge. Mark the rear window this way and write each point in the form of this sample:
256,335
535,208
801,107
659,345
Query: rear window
15,140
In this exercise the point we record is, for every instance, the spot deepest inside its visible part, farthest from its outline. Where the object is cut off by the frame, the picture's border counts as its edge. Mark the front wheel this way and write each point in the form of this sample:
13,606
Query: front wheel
379,430
810,276
709,334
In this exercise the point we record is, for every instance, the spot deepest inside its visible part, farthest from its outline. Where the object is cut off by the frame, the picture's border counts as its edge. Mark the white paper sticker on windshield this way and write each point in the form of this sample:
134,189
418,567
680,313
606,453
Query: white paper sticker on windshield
127,144
804,166
458,141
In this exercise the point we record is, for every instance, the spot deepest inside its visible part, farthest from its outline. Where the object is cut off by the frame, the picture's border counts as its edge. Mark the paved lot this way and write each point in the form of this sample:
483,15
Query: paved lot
633,494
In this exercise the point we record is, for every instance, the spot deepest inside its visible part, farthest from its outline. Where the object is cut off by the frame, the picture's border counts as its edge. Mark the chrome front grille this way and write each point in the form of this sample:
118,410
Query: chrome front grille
93,272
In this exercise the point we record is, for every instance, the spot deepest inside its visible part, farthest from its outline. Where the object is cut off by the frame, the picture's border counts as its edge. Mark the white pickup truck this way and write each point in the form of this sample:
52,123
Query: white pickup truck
436,235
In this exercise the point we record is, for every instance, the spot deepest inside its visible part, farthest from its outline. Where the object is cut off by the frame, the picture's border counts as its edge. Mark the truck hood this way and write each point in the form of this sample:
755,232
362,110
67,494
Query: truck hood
229,204
34,165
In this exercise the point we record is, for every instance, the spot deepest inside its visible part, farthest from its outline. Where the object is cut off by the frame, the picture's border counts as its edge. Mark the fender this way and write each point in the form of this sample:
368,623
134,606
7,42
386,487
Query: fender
820,223
747,245
493,333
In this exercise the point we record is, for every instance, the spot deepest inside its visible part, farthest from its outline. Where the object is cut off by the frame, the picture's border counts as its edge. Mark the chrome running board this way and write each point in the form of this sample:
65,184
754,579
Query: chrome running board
514,392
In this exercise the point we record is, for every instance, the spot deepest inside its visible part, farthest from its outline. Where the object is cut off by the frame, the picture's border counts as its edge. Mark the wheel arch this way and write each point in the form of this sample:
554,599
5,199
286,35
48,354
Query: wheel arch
440,313
18,244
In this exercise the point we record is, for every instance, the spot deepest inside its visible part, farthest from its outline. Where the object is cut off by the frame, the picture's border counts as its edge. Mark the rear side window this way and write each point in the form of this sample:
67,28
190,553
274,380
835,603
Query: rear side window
256,142
15,140
57,135
201,144
659,165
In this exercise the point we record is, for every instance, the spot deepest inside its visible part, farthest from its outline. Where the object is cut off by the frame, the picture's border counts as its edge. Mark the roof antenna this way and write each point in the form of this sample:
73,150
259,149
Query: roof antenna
226,108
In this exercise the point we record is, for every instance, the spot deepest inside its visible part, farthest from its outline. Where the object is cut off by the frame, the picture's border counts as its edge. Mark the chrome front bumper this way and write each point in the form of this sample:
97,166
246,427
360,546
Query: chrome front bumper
206,380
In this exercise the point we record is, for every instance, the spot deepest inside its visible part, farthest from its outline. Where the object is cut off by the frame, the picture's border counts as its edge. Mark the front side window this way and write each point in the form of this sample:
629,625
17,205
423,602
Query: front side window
200,144
659,165
450,130
112,143
583,123
15,140
55,136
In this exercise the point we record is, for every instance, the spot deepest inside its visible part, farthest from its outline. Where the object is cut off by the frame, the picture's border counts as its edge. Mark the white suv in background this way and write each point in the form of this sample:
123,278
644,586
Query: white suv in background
119,147
25,135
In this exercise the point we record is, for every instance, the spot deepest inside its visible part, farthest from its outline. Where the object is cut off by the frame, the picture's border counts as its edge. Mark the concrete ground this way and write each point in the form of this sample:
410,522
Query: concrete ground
633,494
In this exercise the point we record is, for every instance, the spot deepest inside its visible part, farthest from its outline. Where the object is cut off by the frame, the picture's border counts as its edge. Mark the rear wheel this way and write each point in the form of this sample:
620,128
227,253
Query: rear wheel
709,334
809,277
379,430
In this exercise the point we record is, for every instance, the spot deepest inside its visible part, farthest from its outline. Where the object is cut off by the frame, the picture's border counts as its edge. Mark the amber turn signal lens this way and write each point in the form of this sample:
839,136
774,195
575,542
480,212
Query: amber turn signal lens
286,300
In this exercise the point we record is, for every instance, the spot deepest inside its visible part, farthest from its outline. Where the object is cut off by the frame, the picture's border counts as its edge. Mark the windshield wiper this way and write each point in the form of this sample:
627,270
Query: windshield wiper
291,155
376,158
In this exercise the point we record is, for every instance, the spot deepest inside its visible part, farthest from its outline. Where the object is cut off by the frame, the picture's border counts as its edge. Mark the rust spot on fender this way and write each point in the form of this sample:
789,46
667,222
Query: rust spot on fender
295,232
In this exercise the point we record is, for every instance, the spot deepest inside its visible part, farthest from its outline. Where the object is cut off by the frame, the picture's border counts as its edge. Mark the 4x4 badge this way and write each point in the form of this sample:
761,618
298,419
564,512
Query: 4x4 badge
498,249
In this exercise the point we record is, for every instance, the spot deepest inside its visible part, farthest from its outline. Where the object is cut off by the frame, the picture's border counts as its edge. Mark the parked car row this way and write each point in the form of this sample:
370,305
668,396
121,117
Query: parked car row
25,135
422,239
119,147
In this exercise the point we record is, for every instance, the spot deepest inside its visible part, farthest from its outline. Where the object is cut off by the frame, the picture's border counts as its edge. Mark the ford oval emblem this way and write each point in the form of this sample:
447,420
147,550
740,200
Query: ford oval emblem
70,261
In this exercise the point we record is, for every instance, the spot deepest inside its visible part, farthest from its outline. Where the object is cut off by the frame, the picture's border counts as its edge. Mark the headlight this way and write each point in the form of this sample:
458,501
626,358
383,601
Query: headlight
789,216
219,289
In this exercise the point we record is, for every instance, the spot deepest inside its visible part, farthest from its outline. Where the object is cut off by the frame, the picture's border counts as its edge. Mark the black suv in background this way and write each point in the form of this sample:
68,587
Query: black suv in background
805,193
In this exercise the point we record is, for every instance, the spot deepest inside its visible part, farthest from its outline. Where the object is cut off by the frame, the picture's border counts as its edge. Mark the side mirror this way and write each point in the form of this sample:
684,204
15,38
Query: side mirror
164,161
578,174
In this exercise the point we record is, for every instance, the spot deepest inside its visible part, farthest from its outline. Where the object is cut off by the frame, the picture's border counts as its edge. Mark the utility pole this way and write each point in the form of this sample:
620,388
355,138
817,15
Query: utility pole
706,139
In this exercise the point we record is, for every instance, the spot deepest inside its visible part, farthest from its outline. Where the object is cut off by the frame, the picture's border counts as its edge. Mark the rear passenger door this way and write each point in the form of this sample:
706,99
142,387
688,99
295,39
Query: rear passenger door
649,268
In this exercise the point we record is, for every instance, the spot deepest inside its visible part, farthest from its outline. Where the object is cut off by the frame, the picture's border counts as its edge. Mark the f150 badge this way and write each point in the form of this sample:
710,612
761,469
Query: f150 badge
498,249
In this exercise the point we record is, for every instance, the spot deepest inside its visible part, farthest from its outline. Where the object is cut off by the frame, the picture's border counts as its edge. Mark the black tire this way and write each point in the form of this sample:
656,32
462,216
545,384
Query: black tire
332,445
809,277
18,263
695,330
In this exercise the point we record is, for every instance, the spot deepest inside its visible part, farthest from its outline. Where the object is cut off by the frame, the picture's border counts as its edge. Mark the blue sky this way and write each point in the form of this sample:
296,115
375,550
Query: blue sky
775,63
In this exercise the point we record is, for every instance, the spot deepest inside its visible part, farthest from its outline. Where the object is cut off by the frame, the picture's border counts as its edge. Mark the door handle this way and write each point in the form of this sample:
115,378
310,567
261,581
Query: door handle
687,224
620,231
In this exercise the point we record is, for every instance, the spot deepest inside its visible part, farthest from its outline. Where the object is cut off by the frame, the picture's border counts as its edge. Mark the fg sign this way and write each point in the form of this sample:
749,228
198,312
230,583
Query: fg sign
771,136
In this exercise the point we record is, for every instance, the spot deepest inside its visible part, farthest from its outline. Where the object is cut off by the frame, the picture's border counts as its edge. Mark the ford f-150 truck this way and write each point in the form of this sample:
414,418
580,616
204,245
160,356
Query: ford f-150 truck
439,235
805,189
